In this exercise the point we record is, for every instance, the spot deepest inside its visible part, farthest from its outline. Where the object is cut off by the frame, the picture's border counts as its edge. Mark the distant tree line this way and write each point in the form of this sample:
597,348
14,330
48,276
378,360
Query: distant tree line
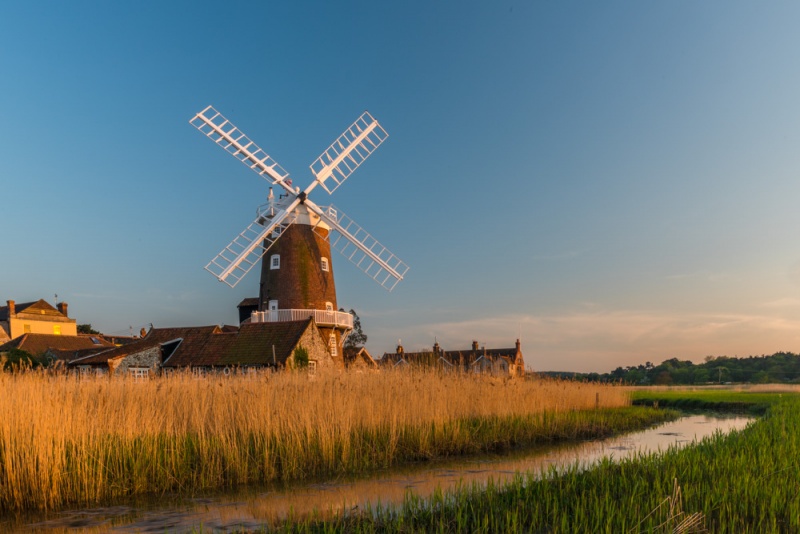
781,367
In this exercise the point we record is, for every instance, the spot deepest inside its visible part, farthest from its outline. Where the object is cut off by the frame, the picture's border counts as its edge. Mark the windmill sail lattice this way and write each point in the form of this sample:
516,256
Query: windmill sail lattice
217,128
349,151
330,170
363,250
243,253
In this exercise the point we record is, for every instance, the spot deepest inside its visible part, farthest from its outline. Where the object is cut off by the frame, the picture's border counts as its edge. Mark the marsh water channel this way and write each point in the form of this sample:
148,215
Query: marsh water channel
253,507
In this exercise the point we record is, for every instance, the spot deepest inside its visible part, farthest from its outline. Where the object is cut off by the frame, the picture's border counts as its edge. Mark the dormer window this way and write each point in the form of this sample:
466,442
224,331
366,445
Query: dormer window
275,261
325,264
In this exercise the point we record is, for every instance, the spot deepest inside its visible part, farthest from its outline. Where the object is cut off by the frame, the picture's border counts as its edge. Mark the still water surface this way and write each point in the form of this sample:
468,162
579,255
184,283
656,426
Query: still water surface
253,507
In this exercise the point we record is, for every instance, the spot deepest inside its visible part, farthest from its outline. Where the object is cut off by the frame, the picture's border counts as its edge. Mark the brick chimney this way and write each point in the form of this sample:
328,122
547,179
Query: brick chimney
62,307
12,307
474,345
399,349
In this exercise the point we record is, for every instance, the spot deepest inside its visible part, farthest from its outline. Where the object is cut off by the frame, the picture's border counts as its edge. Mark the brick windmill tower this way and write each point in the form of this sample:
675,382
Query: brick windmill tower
295,236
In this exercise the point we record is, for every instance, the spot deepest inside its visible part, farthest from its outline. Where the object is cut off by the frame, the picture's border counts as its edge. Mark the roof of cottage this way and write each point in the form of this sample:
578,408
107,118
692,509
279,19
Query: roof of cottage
358,355
257,344
211,346
61,346
463,358
154,338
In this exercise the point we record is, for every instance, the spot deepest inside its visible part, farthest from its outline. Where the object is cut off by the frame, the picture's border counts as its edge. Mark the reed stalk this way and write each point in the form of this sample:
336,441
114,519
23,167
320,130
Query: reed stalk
68,440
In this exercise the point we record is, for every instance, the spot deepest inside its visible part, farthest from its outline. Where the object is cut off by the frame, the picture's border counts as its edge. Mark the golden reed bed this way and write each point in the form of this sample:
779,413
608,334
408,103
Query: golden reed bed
68,440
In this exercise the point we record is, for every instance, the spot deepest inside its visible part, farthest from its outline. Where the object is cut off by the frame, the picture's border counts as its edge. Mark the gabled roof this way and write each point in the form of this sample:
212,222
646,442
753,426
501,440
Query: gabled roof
38,344
358,356
39,307
155,338
255,343
211,346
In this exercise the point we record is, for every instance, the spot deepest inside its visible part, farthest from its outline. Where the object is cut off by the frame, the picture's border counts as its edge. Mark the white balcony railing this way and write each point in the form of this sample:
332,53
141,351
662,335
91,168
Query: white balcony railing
321,317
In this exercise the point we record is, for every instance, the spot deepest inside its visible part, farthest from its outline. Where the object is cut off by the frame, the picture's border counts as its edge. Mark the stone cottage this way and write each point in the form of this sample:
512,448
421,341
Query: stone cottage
214,349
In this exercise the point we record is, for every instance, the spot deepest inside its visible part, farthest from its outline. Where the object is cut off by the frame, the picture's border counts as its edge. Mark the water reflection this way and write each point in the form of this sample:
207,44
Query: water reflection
251,508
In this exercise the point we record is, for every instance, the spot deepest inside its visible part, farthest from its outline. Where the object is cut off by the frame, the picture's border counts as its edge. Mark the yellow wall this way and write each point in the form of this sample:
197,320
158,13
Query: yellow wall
41,325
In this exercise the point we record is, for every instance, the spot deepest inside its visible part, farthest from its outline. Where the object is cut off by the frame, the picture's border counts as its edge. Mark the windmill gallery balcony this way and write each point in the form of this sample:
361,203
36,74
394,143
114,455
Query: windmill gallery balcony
321,317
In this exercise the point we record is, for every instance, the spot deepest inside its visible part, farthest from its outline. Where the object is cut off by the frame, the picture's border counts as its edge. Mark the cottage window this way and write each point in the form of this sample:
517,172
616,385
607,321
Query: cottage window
26,328
57,329
325,264
275,261
334,350
139,373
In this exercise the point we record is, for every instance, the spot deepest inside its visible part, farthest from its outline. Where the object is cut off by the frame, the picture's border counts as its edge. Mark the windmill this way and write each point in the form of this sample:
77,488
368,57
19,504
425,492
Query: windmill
297,275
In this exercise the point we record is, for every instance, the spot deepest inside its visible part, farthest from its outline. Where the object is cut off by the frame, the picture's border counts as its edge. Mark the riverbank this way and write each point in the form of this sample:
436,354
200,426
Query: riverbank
65,441
741,482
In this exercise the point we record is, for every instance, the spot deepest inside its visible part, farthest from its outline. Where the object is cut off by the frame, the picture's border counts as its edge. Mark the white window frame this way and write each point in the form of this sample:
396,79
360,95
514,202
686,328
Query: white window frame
332,343
275,262
139,373
325,264
273,305
329,306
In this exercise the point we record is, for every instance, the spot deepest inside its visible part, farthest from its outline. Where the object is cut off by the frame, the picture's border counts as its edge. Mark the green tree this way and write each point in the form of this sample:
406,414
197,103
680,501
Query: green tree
86,329
357,337
16,359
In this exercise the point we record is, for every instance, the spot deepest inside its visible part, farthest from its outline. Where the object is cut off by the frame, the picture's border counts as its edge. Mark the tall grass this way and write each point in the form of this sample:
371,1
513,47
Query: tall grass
64,440
746,481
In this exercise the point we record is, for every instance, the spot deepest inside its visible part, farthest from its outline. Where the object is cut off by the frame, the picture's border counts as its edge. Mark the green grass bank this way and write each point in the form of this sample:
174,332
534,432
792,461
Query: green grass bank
746,481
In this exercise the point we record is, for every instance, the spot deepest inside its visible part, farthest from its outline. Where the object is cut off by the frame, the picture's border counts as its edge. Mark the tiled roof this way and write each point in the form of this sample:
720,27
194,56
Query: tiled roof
154,338
37,344
211,346
252,345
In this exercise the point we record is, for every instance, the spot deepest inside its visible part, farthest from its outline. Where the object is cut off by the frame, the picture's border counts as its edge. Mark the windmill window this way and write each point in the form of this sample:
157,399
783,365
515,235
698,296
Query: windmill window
334,351
329,306
273,305
275,261
325,264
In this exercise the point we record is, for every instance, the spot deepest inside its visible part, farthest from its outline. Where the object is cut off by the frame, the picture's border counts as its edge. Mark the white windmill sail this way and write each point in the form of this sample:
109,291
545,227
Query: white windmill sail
241,254
349,151
330,170
358,246
225,134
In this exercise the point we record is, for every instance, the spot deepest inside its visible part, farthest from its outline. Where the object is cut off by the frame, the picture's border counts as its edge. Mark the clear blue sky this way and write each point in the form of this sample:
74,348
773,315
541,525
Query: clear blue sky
614,182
